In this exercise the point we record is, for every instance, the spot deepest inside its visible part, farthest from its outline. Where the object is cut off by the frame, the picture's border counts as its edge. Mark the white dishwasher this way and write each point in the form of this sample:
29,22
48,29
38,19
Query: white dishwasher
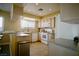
34,36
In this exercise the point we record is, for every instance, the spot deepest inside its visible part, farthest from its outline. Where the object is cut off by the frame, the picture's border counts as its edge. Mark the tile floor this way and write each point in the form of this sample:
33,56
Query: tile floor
59,47
38,49
62,47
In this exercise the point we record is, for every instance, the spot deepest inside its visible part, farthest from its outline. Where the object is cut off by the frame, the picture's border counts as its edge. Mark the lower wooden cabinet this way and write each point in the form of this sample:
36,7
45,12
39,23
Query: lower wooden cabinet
23,48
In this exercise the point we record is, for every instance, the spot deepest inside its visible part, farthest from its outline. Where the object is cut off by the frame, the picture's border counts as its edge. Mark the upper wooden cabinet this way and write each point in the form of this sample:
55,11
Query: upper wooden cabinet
47,22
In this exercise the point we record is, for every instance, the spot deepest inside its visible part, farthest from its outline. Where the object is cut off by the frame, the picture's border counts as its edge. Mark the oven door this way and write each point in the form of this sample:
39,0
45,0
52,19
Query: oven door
44,38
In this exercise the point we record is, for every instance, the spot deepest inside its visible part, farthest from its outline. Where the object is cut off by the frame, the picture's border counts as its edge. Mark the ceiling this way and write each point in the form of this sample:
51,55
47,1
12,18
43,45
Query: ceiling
33,8
5,6
45,8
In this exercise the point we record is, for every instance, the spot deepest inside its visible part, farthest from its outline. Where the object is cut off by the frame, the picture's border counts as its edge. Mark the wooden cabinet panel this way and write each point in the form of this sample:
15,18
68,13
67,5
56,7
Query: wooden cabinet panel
23,45
24,38
23,49
47,22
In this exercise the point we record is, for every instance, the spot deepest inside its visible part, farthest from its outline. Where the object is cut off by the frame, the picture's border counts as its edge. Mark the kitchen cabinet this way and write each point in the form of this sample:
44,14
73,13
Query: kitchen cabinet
39,23
47,22
23,37
23,44
34,36
23,48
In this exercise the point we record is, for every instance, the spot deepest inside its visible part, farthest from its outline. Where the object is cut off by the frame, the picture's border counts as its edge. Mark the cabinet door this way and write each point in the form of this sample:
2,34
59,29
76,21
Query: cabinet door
23,49
52,22
34,37
48,22
39,23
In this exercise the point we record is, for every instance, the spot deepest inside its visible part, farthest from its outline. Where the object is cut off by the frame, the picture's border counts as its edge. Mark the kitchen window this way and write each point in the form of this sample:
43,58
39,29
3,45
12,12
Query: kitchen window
1,24
27,23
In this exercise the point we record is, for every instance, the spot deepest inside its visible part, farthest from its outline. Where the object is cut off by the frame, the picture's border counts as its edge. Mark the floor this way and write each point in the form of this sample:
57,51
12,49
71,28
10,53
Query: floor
63,47
38,49
59,47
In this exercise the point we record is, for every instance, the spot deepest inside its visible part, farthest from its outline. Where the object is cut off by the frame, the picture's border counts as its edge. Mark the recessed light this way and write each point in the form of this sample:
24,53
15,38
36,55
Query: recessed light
40,13
36,4
50,9
40,9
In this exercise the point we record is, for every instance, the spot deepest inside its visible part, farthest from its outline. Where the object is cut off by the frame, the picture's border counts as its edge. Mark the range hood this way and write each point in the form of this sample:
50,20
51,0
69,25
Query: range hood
69,13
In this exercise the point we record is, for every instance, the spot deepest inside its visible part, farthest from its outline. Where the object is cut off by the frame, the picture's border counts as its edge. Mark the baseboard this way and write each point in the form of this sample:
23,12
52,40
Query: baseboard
63,38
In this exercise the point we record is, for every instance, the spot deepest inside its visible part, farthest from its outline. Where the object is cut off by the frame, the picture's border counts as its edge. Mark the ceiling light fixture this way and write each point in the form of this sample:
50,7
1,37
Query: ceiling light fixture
50,9
36,4
40,9
40,13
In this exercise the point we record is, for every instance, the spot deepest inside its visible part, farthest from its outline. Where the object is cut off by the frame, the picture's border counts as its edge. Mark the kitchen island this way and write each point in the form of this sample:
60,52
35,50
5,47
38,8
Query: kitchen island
23,44
17,42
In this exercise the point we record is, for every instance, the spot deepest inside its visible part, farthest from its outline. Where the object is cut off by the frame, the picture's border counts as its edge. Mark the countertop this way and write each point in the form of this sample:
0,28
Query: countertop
22,34
7,43
22,42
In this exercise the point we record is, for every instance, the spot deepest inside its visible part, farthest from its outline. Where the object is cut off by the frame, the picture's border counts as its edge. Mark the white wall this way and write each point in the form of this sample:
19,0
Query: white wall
70,12
66,30
75,30
78,30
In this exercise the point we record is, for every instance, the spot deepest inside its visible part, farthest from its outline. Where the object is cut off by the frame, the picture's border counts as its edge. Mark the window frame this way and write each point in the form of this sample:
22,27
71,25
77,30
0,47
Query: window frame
27,19
2,23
